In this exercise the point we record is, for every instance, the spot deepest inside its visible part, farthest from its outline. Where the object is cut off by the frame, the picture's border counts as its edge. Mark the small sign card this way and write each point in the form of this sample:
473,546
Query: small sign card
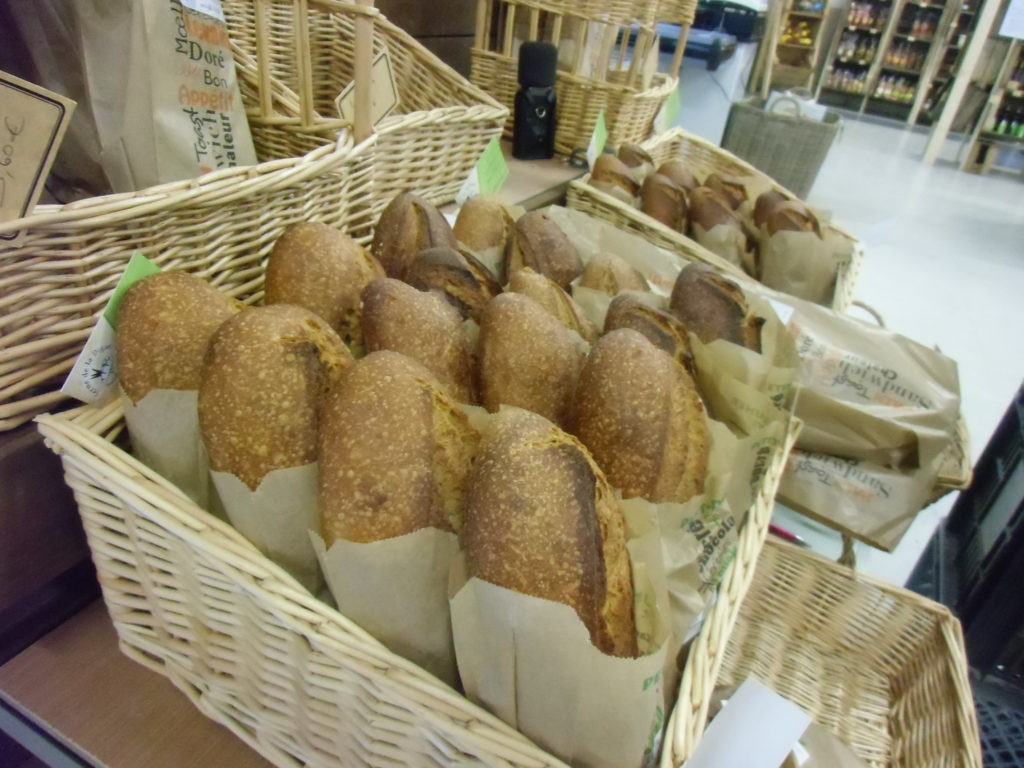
487,175
383,92
597,140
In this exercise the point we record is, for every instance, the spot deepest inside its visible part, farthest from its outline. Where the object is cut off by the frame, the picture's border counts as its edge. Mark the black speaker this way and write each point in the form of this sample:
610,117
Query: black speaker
533,131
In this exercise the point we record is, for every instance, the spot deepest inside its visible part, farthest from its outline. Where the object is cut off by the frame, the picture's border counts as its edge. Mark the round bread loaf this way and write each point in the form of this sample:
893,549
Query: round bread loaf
407,226
457,275
709,209
541,244
527,358
263,385
554,300
714,308
638,160
731,189
664,200
324,270
679,173
613,176
611,274
483,223
663,329
165,323
640,415
542,520
423,326
764,204
791,216
395,453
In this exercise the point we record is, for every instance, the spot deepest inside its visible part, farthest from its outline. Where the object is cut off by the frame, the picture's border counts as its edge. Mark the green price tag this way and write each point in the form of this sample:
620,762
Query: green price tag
672,108
597,140
492,170
138,267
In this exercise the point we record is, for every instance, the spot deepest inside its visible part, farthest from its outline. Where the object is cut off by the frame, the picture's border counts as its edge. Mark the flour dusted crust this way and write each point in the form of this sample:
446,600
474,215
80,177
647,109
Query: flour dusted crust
483,223
539,243
458,275
611,274
713,307
663,329
408,225
554,300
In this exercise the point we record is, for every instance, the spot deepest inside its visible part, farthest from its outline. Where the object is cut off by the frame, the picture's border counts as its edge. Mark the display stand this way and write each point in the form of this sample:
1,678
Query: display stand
954,43
856,53
1001,123
794,44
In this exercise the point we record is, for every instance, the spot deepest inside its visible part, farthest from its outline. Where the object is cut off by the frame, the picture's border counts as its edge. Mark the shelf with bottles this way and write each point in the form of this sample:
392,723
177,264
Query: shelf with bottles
795,50
1000,129
895,88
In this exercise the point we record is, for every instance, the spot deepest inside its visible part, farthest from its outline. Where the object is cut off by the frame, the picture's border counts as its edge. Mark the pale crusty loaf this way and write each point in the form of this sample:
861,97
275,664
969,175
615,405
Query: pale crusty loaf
263,385
408,225
611,274
527,358
663,329
714,308
483,223
395,453
557,302
539,243
423,326
613,176
542,520
324,270
458,275
640,415
165,323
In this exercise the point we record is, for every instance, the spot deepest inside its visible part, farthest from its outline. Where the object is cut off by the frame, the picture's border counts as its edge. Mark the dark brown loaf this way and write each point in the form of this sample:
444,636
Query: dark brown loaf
731,189
407,226
612,175
664,200
640,415
680,174
542,520
663,329
527,358
611,274
457,275
637,159
165,323
263,385
554,300
423,326
317,267
791,216
483,223
541,245
709,209
764,205
395,453
714,308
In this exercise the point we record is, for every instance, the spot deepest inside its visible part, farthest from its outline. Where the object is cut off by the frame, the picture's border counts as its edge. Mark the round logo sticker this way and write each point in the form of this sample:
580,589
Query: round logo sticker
98,369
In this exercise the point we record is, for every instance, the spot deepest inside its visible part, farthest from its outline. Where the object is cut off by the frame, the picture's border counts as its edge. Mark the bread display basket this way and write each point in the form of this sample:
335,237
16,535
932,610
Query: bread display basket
703,158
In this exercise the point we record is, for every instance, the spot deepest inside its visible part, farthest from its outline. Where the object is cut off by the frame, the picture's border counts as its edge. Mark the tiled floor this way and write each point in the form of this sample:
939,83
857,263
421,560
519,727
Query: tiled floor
944,266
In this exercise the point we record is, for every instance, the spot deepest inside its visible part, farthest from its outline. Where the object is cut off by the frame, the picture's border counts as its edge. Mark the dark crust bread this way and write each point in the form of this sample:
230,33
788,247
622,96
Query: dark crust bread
663,329
666,201
679,173
542,520
764,205
527,358
791,216
483,223
423,326
263,383
464,282
640,415
324,270
635,156
731,189
611,274
165,323
540,244
554,300
609,172
713,307
395,453
408,225
709,209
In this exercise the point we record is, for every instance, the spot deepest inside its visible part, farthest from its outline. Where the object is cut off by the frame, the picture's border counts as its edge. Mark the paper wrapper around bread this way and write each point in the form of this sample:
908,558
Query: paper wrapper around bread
804,265
164,427
728,242
277,517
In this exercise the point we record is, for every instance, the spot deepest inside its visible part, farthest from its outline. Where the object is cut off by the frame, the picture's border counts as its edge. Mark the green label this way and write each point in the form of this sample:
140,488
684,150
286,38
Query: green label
138,267
672,108
491,169
597,139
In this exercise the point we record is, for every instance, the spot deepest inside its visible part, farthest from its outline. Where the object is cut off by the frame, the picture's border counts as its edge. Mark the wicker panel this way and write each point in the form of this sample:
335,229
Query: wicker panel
882,668
681,12
609,11
220,227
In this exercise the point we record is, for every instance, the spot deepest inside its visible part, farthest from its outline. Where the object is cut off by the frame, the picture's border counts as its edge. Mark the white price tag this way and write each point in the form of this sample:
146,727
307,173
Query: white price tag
207,7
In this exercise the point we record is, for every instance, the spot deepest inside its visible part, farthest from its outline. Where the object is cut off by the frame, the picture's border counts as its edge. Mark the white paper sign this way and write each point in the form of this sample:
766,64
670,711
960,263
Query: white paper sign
208,7
383,92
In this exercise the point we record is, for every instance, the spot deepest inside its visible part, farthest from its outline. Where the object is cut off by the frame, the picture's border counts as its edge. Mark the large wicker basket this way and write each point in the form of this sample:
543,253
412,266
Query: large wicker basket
704,158
193,600
882,668
295,57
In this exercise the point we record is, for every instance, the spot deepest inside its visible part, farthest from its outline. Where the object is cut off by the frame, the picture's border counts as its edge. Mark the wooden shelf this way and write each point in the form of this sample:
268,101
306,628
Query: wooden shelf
1000,138
801,46
869,30
853,62
901,70
914,38
807,14
890,100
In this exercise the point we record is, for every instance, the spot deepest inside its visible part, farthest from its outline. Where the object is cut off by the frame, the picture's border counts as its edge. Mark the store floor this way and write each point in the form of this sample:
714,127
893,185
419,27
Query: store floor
944,265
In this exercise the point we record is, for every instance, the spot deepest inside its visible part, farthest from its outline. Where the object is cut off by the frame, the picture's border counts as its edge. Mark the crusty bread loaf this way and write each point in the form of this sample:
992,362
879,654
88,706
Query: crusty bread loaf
714,308
165,323
640,415
764,204
482,223
613,176
611,274
423,326
457,274
539,243
542,520
709,209
731,189
395,453
680,174
407,226
324,270
263,384
663,329
664,200
791,216
554,300
527,358
638,160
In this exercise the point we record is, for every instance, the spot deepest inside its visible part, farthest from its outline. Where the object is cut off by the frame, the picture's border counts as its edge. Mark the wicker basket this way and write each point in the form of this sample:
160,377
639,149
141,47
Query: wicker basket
703,157
882,668
789,149
295,57
194,601
221,226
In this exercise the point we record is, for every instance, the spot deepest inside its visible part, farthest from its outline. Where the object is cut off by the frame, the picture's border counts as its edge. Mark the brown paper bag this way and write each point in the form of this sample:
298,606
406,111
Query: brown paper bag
728,242
802,264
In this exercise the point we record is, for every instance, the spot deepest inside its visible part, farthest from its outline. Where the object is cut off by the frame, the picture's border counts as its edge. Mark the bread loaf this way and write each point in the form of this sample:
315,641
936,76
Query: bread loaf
483,223
263,384
731,189
664,200
709,209
613,176
317,267
680,174
640,415
764,204
663,329
611,274
457,275
542,520
540,244
424,327
395,453
165,323
791,216
407,226
638,160
714,308
527,358
554,300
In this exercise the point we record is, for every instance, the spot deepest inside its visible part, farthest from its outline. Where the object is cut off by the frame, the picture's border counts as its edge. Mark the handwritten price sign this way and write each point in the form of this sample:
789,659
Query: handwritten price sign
32,124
